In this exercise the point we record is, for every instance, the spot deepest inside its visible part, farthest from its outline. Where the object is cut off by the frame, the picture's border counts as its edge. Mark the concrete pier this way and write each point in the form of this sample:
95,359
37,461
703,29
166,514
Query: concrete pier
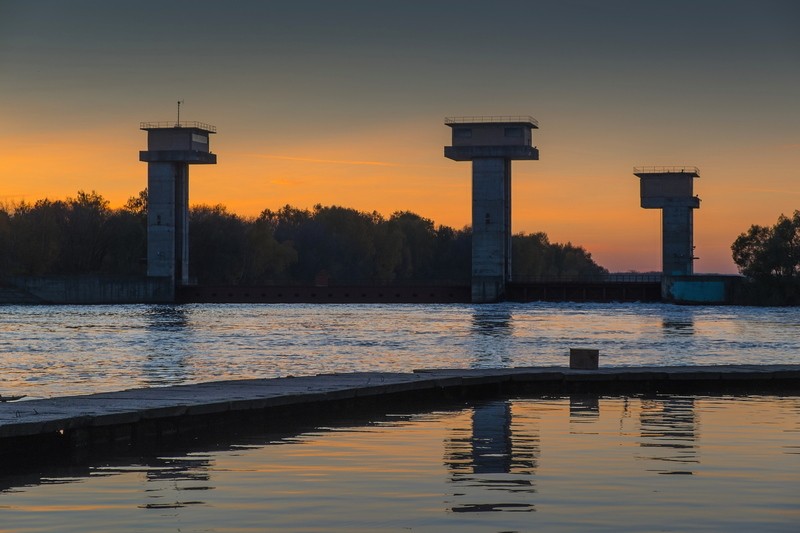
31,430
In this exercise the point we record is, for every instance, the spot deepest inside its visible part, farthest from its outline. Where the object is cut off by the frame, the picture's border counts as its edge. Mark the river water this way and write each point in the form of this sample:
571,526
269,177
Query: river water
50,351
582,463
573,463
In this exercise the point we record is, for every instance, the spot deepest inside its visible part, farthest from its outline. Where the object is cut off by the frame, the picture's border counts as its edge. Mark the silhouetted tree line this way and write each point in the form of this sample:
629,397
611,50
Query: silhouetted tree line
82,235
770,258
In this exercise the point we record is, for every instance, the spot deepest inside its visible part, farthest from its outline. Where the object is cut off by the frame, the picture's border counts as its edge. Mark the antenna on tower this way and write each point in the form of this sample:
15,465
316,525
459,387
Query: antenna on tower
178,124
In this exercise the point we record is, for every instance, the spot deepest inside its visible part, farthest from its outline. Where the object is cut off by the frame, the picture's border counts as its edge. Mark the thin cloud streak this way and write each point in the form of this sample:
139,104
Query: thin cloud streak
327,161
774,191
342,161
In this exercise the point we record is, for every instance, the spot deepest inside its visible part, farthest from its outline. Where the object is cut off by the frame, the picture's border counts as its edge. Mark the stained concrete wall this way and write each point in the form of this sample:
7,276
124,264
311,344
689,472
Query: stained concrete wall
700,289
168,220
168,139
182,225
491,228
492,134
161,179
663,187
677,240
96,289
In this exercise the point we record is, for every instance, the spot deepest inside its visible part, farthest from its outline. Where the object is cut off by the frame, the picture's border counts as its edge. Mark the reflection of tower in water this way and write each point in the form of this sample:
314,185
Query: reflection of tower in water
584,407
491,322
669,432
493,461
679,323
677,327
169,479
491,335
166,352
172,482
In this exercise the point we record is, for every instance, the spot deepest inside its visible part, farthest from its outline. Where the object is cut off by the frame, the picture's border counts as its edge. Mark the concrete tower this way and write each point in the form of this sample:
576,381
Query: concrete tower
670,189
491,143
171,148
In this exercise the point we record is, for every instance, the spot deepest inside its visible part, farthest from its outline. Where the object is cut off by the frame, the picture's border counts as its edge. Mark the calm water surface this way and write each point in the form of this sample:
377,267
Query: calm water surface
56,350
666,463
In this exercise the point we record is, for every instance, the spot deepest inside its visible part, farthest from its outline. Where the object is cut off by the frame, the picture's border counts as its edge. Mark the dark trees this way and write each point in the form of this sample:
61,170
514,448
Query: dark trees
770,252
36,237
340,243
217,244
453,261
83,235
6,253
80,235
416,254
266,260
535,258
226,249
770,257
127,249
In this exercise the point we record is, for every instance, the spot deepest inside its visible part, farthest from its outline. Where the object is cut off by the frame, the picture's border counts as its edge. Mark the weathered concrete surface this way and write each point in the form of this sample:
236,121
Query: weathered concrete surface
87,290
671,190
700,289
491,143
77,420
170,151
10,294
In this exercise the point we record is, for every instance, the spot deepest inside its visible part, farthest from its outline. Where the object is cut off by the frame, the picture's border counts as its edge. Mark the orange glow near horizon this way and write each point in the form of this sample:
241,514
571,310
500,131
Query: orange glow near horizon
569,448
395,169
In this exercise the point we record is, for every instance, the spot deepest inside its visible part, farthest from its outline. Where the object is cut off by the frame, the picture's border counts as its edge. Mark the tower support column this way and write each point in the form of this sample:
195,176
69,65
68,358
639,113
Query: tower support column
162,218
491,228
677,241
182,224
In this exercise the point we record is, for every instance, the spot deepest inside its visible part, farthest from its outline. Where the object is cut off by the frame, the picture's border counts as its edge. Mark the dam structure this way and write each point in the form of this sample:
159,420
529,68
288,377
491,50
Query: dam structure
669,188
171,148
491,143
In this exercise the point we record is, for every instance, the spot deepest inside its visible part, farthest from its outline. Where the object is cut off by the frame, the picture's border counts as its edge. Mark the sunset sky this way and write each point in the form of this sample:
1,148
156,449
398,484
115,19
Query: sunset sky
342,102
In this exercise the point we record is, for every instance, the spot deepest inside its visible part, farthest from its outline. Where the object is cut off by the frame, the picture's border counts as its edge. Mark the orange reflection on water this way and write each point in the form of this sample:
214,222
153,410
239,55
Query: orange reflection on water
621,463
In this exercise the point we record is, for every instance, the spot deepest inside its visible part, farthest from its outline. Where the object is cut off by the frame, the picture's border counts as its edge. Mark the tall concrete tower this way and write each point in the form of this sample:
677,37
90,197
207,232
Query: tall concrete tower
491,143
171,148
670,189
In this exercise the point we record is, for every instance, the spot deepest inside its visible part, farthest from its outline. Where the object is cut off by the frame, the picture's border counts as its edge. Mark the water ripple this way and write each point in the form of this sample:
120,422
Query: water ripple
57,350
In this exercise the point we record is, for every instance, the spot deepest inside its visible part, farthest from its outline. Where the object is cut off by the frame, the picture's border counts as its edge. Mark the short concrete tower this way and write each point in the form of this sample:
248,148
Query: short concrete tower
670,189
171,148
491,143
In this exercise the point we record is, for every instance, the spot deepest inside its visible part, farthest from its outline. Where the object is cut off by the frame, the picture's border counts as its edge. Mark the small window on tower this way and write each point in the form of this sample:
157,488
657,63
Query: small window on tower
514,131
462,133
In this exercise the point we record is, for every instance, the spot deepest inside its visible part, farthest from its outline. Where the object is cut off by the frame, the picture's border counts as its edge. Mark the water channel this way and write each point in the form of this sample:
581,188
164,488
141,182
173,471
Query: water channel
580,463
585,462
50,351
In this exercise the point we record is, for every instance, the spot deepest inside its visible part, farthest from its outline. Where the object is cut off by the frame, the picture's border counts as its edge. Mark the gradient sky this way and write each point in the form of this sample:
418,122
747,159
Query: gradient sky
342,102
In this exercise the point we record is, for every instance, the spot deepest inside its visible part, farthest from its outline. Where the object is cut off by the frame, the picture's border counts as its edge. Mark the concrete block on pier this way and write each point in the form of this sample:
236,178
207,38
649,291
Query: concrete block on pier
584,358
